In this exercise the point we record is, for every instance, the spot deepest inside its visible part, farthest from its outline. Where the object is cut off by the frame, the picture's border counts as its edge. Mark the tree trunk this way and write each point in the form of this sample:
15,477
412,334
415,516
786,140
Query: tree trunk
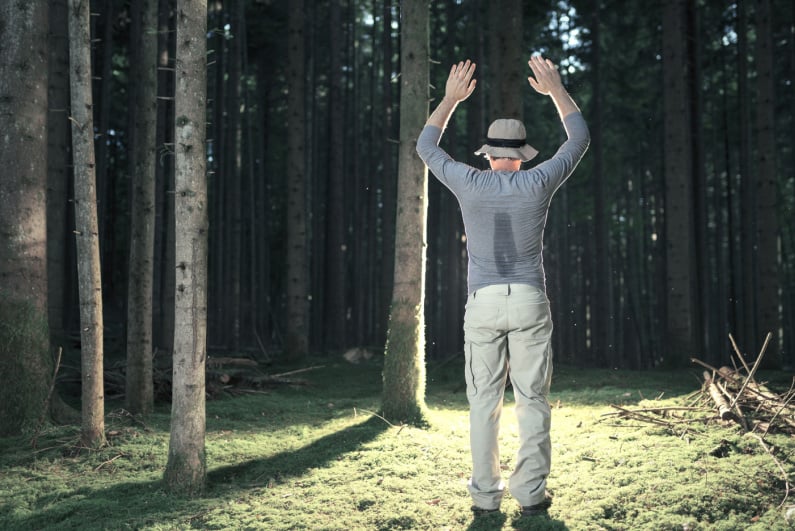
58,164
234,172
86,226
603,342
680,305
139,386
404,364
767,230
187,467
746,304
24,333
336,305
706,342
297,342
163,311
388,182
505,58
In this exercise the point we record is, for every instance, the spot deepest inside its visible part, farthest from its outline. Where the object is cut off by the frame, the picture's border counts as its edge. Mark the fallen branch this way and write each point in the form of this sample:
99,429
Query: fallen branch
784,474
724,409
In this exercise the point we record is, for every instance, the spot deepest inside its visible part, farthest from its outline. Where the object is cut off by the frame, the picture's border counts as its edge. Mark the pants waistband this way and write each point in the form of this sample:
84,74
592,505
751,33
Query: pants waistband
505,289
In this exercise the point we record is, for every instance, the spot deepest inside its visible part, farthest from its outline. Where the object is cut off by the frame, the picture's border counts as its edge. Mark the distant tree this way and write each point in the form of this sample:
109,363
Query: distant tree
58,167
297,341
388,178
186,469
603,337
86,226
767,229
680,289
25,362
139,392
404,364
335,317
506,67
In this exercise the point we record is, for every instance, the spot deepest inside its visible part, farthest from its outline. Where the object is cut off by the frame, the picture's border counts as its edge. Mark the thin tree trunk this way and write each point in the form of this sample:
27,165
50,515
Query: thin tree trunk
681,306
703,273
297,345
404,368
87,231
102,120
58,163
388,181
139,385
186,469
234,171
767,229
746,305
603,312
164,310
505,58
336,304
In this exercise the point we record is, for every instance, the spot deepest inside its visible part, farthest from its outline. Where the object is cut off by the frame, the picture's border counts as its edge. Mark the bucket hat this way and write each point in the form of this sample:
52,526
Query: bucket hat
507,138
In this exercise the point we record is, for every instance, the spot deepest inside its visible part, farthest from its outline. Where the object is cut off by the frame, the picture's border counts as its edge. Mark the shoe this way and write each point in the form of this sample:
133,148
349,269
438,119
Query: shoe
480,511
539,508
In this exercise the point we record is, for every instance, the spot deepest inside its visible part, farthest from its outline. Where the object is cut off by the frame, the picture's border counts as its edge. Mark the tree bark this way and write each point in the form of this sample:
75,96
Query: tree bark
336,255
505,58
404,369
163,311
680,288
86,226
767,229
58,163
297,342
139,386
388,181
187,467
24,333
746,303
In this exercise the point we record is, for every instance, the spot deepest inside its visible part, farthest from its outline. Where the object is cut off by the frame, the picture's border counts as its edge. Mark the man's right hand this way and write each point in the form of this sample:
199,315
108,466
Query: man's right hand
547,76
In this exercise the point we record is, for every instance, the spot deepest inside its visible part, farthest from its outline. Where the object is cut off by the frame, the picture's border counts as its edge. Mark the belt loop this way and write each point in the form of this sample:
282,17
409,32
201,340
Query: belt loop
475,294
509,289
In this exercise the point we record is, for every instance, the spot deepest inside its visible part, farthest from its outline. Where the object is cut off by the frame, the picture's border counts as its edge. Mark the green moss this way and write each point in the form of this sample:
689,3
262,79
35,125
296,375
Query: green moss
314,457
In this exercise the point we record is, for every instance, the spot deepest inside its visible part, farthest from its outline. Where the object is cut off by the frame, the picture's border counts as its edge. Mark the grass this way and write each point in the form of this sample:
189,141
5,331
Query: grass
315,457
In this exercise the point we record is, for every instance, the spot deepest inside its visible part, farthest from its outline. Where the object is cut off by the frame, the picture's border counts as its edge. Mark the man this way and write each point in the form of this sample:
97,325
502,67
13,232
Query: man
507,323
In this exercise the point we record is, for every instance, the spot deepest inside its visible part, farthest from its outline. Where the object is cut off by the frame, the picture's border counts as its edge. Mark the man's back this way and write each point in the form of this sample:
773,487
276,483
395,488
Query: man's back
505,212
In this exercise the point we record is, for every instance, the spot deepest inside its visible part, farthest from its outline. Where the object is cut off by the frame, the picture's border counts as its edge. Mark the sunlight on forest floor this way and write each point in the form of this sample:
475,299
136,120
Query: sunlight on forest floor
316,457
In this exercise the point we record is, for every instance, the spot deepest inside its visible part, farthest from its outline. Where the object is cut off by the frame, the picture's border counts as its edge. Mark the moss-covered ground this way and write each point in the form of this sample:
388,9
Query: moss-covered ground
315,457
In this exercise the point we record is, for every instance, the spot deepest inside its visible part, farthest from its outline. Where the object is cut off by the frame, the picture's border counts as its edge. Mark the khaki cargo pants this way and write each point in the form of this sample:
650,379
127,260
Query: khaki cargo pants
508,332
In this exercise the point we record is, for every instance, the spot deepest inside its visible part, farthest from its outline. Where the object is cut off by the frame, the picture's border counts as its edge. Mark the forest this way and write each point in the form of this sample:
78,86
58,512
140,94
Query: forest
676,231
191,181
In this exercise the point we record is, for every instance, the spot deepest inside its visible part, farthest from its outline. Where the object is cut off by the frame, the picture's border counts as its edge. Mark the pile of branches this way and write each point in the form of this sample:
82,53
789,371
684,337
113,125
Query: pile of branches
732,396
729,394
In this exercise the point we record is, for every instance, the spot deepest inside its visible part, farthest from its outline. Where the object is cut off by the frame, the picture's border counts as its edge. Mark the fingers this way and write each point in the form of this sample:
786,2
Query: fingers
460,83
463,70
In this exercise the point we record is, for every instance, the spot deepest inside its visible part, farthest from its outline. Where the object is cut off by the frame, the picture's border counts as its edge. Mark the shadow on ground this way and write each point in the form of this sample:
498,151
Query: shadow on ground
126,505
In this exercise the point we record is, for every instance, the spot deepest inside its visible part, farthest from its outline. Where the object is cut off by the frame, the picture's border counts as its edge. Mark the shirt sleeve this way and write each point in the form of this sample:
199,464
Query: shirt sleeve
554,172
449,172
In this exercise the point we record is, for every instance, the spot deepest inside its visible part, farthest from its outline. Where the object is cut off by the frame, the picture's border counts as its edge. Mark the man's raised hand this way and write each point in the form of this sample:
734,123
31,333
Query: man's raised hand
460,83
547,77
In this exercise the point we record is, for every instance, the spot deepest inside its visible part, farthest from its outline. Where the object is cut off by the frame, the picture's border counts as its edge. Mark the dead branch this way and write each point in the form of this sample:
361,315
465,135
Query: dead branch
724,409
756,366
46,407
784,474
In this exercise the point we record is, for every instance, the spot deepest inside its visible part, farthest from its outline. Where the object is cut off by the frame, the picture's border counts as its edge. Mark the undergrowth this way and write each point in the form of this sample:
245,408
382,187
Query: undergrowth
318,457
